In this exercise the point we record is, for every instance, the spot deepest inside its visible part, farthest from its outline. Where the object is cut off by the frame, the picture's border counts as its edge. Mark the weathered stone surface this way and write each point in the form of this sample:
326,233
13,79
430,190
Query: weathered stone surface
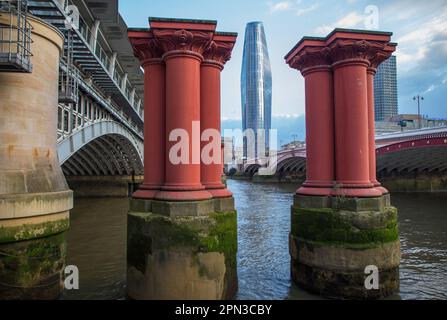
344,258
14,206
183,208
332,226
140,205
332,243
184,258
415,183
32,269
358,204
344,285
224,204
312,202
33,228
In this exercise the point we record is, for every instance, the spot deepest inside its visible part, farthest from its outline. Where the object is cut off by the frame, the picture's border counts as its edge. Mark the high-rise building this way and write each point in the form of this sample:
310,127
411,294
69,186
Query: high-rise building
385,90
256,89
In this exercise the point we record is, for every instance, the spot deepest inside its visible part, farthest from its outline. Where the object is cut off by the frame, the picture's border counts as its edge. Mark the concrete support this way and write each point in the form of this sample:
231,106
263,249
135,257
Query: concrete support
34,196
182,242
338,232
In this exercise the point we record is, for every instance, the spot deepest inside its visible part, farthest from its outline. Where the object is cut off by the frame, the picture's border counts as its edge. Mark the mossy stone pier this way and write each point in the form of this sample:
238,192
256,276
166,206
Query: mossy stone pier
344,240
333,243
174,254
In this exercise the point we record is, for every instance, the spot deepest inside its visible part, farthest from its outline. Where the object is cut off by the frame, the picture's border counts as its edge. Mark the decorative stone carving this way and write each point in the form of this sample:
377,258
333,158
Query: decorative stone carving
146,48
310,57
219,51
184,40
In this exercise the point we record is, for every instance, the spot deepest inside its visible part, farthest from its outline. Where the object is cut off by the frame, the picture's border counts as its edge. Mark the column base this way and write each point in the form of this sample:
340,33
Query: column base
145,194
334,239
312,191
220,193
198,195
379,187
181,256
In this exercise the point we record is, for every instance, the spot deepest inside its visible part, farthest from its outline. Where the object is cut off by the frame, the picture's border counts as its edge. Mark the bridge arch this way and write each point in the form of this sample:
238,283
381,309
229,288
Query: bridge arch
105,148
425,155
252,169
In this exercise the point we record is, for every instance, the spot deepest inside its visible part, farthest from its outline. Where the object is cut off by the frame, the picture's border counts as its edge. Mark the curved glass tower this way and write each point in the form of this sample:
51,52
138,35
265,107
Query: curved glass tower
256,89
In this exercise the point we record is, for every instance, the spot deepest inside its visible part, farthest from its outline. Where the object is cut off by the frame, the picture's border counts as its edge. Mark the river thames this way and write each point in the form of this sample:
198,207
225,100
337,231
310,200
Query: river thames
97,244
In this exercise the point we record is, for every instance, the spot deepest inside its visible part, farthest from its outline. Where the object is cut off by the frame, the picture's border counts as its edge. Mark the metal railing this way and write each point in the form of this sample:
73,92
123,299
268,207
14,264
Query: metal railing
15,36
68,73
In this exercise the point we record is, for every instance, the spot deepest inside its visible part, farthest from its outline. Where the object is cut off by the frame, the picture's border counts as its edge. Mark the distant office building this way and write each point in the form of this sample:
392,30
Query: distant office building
256,88
385,89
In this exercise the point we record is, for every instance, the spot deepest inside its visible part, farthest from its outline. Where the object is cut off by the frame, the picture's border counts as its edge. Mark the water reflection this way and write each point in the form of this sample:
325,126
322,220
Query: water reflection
97,244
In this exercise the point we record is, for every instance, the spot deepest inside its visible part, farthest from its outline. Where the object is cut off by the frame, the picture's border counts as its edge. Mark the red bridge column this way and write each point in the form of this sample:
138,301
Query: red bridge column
215,58
169,255
377,56
351,119
150,56
310,57
355,215
183,49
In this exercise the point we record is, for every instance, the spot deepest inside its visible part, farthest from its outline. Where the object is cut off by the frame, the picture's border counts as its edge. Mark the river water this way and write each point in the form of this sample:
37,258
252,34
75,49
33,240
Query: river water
97,244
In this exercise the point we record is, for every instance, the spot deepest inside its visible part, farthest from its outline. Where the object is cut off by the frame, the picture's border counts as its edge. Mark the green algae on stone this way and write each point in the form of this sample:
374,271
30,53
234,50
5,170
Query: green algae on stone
33,231
333,226
32,263
148,233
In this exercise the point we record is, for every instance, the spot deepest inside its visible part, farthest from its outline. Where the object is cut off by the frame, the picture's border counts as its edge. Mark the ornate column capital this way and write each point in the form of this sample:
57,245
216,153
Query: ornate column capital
311,59
145,47
220,48
379,55
171,40
369,53
349,51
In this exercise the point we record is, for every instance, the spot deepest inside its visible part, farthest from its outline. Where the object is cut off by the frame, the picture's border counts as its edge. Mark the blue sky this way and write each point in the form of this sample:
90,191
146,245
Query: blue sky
420,28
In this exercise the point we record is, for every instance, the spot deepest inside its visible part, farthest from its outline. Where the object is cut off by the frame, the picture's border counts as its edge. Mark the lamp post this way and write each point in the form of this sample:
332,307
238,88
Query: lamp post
419,98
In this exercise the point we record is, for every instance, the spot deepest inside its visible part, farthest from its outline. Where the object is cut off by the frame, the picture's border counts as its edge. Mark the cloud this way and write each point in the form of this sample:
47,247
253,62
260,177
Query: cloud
304,11
351,20
292,6
422,62
280,6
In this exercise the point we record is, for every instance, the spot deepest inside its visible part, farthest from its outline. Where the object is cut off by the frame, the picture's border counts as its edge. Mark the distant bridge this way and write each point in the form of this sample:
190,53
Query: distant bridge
423,151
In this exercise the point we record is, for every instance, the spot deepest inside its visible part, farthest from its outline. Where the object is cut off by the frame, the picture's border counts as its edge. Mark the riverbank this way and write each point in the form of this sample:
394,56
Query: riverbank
408,183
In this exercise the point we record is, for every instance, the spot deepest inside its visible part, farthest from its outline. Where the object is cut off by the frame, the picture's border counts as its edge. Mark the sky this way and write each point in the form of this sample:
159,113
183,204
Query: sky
419,27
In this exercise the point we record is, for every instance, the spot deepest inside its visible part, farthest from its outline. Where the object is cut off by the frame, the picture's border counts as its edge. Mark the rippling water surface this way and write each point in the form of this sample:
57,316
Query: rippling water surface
97,244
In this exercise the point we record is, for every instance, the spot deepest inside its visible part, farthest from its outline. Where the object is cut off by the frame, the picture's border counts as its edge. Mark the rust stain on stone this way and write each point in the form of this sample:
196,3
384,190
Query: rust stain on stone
35,152
10,149
48,153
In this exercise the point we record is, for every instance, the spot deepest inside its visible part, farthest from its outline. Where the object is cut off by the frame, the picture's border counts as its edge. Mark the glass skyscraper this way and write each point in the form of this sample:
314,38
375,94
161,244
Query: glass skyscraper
385,90
256,89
